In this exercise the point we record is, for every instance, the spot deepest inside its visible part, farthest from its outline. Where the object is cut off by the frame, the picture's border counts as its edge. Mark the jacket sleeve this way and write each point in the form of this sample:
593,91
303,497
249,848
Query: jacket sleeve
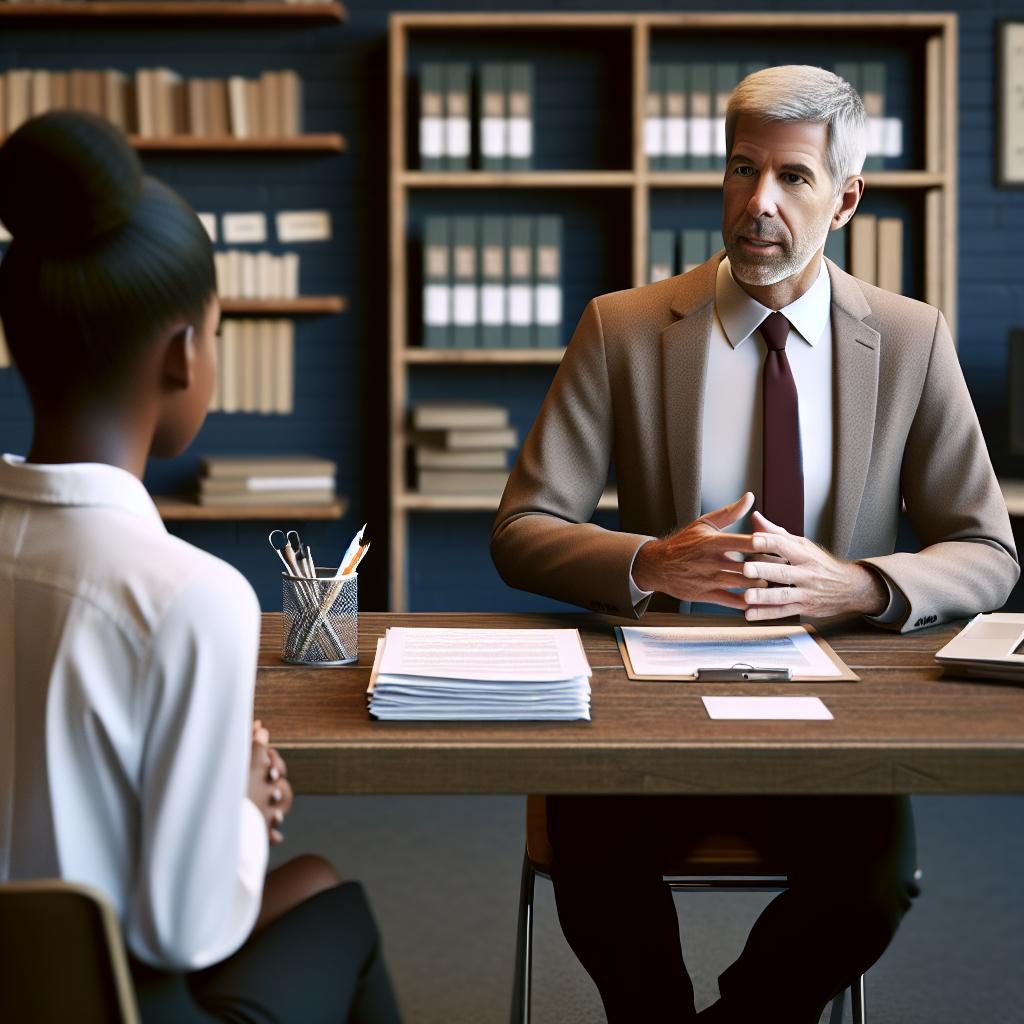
542,540
967,562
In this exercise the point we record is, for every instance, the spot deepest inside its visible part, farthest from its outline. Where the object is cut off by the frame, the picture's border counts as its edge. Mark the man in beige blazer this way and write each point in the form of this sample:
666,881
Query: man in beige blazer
887,421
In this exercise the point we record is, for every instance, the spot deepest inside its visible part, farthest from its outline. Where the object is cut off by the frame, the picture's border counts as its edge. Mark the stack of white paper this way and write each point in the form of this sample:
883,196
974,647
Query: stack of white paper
480,674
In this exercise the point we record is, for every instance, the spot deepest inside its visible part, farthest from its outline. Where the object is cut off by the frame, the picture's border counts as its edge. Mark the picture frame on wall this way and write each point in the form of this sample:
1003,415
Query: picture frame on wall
1010,88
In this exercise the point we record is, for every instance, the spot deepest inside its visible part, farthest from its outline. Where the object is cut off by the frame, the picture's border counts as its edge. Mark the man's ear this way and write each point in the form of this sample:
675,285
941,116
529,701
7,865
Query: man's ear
848,201
178,367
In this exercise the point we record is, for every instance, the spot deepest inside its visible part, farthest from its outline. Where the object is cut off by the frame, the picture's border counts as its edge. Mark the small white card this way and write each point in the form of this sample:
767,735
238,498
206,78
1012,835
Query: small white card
304,226
765,708
209,221
241,228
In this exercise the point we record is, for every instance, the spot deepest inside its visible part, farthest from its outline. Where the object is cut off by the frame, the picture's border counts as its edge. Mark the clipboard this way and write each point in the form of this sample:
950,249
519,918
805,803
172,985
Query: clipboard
741,672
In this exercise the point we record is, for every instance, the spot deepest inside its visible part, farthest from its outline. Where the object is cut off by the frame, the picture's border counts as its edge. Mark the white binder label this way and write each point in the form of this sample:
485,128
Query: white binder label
876,136
549,304
244,227
654,136
437,305
520,137
303,226
893,136
457,136
431,137
718,136
492,136
520,305
464,305
700,136
675,136
492,304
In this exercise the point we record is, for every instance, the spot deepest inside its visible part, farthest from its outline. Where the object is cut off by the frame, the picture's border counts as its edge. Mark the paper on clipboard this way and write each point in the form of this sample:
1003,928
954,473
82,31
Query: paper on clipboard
677,652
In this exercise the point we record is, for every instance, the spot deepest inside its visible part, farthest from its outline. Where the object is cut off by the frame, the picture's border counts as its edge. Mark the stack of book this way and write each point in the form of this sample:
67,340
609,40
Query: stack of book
684,120
266,480
461,447
256,371
505,126
422,674
492,282
256,275
158,102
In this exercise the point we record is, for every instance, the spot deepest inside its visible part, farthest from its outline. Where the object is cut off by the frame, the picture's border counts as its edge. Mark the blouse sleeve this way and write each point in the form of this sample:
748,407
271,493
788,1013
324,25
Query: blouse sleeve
203,845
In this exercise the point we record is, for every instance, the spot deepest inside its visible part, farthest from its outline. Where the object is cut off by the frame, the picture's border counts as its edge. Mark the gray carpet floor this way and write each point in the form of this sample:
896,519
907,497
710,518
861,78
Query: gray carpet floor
443,877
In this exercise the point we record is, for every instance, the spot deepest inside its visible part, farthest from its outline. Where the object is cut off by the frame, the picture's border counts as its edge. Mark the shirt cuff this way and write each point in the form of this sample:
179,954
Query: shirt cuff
636,595
896,610
253,849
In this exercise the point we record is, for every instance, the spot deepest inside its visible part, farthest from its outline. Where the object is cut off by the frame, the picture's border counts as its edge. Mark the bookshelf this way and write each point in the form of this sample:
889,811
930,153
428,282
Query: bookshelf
149,16
925,189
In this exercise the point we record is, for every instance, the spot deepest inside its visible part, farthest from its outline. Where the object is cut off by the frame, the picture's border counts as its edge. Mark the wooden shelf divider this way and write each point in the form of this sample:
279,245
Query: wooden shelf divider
468,356
314,142
179,509
304,305
264,10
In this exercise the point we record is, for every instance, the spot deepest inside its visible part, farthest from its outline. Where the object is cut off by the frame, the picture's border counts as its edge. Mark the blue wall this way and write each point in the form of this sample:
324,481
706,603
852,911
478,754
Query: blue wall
342,361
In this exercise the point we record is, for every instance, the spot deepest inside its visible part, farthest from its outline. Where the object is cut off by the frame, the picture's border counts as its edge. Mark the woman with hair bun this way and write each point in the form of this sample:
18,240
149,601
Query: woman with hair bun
128,755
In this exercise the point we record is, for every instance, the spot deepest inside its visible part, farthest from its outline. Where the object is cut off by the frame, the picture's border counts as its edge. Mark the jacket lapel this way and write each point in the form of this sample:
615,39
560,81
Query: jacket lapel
855,353
684,357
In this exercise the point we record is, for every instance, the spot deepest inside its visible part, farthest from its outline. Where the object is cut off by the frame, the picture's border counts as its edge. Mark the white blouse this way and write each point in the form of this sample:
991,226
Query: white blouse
127,667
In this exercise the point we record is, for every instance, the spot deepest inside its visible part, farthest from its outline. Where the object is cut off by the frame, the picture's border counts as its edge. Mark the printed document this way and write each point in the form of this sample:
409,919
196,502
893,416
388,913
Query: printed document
674,651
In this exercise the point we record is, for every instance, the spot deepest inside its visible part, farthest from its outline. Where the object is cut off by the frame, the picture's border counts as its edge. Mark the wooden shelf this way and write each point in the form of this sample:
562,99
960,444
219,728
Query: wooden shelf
179,10
520,356
316,142
305,305
413,502
518,179
171,508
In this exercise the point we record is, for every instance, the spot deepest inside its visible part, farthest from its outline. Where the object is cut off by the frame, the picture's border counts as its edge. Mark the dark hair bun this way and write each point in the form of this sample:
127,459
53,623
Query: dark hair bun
67,178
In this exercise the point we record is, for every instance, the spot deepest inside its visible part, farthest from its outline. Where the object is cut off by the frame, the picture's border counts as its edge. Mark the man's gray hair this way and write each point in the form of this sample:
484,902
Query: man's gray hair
800,92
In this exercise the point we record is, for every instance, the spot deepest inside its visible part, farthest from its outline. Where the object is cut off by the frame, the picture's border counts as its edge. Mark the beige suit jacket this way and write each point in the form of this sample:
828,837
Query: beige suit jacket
630,391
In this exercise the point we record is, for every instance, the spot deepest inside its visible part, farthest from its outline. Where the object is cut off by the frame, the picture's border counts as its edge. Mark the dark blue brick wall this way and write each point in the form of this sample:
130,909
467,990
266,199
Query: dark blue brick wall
342,361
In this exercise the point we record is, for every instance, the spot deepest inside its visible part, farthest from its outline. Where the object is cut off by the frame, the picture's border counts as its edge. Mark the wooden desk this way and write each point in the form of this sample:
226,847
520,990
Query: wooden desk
906,728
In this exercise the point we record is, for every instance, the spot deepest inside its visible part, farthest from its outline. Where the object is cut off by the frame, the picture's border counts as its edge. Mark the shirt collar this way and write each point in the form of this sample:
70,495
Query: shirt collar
741,314
76,483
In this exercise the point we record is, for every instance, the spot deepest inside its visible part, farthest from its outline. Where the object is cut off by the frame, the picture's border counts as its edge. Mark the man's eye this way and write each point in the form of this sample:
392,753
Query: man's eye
792,179
742,169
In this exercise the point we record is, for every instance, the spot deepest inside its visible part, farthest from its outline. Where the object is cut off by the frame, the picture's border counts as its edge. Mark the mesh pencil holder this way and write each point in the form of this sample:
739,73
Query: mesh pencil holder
321,619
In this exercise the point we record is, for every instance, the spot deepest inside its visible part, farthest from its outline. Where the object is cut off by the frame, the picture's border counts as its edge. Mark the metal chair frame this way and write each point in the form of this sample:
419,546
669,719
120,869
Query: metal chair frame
522,984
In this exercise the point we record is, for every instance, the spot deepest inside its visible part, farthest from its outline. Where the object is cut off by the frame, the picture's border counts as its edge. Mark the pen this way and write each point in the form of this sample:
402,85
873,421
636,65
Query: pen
356,559
350,551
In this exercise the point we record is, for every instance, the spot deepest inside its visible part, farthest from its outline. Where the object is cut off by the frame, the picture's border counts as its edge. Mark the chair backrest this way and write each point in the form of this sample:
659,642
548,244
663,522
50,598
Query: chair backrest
716,855
62,956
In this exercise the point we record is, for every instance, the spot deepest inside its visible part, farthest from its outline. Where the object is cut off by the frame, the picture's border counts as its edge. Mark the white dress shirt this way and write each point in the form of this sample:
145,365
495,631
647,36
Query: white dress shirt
731,436
127,667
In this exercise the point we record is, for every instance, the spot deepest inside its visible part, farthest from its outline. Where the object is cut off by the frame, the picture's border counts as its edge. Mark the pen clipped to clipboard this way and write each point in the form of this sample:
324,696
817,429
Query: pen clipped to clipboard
794,654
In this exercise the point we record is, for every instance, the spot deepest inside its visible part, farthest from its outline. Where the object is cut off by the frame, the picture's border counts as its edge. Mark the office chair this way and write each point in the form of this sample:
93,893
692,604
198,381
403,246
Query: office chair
63,958
720,862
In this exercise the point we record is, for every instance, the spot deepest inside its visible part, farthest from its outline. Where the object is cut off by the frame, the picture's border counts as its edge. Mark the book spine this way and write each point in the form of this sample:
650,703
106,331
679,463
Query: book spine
727,76
465,283
701,145
456,117
676,121
493,300
835,247
519,79
238,107
890,254
40,92
520,281
547,295
493,117
432,120
693,248
654,118
437,283
864,247
659,266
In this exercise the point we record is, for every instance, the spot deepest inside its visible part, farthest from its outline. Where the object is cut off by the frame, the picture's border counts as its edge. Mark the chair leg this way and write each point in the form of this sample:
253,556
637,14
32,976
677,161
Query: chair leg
524,948
857,1001
838,1005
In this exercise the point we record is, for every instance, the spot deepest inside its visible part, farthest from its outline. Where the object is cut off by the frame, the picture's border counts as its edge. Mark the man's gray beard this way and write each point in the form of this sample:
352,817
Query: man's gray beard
779,269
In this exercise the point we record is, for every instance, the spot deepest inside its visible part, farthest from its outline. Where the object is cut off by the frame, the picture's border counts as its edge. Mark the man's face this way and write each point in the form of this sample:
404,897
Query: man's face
777,199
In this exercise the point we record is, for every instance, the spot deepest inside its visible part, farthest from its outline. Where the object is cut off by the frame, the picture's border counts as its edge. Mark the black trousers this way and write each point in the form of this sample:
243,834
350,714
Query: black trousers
318,964
851,864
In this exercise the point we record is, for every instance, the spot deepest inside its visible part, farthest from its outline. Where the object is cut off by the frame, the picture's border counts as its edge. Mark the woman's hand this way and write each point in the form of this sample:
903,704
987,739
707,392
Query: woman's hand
269,788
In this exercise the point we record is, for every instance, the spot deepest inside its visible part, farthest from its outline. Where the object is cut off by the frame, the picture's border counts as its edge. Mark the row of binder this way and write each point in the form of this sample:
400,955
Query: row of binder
504,122
492,282
256,367
684,126
257,275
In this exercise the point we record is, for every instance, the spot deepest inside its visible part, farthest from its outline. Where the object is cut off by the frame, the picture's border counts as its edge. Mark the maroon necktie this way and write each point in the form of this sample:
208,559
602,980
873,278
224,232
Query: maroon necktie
782,492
